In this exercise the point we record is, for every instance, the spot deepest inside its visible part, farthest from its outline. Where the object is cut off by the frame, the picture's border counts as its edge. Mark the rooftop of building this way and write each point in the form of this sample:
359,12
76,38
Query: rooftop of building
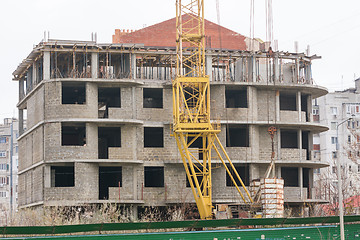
163,34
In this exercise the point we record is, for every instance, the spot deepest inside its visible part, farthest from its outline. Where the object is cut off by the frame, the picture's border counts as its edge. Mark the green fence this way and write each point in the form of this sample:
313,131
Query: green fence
314,232
352,231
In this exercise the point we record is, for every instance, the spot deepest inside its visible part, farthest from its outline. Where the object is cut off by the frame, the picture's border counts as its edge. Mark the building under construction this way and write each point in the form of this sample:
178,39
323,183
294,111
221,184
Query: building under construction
99,119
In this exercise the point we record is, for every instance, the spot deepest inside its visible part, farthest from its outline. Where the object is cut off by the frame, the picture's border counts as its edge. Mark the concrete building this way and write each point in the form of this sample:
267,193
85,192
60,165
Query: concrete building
331,110
8,168
99,119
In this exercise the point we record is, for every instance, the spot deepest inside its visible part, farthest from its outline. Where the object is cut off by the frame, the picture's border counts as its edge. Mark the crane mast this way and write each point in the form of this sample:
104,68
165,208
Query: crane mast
195,135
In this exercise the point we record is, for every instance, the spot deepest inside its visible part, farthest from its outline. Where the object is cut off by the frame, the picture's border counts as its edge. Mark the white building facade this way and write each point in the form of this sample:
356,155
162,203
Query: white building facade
340,111
8,168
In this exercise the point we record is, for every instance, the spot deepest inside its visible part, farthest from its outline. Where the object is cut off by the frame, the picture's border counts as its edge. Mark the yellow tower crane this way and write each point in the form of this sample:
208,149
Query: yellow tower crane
195,135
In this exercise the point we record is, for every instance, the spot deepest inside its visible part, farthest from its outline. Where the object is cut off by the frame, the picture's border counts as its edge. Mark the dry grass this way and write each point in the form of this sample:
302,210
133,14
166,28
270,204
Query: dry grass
92,214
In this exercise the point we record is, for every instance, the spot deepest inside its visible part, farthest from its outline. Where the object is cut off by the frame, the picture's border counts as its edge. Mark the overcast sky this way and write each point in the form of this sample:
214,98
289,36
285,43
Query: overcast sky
331,28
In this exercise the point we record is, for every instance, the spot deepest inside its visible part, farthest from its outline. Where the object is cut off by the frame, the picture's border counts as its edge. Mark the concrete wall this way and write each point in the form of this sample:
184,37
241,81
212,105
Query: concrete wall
43,143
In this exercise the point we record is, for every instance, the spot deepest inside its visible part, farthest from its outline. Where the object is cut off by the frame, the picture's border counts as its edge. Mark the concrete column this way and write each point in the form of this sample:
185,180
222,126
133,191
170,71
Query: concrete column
94,64
134,213
309,108
239,71
208,64
278,171
92,140
276,68
46,66
135,183
278,137
254,141
277,106
311,182
252,69
21,121
297,67
252,103
92,98
253,172
134,142
301,180
298,105
133,102
308,73
87,180
21,89
300,144
47,176
311,145
34,74
133,65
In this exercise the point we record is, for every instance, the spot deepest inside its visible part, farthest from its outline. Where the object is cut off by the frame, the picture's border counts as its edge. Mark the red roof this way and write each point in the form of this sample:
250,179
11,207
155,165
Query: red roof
163,35
349,203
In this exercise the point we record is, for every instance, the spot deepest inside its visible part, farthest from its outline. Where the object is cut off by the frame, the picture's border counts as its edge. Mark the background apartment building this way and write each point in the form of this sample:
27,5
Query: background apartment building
8,168
99,119
333,109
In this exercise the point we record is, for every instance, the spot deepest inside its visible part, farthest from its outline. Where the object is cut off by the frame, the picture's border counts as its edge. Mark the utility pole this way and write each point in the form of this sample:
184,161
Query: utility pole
338,166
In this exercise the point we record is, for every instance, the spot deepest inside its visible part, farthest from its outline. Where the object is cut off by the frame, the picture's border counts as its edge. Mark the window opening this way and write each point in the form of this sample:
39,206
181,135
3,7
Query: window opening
289,139
73,93
73,135
199,177
153,137
333,110
154,176
288,102
237,136
62,176
243,172
290,176
153,98
236,98
198,144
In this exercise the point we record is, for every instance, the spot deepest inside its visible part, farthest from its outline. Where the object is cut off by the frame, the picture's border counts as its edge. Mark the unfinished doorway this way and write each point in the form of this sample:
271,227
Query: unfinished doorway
108,137
109,177
304,105
305,143
108,98
306,181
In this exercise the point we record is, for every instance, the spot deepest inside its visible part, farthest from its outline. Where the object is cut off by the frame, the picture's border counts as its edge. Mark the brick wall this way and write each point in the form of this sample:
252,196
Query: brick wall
164,34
